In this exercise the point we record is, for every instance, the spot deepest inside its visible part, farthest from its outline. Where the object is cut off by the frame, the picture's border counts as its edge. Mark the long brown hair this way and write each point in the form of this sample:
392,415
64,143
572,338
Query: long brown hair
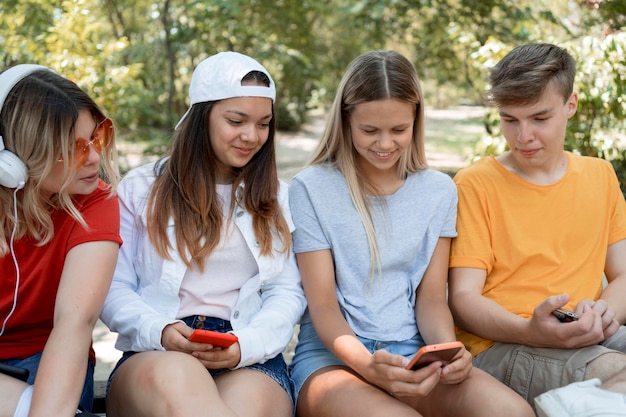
185,191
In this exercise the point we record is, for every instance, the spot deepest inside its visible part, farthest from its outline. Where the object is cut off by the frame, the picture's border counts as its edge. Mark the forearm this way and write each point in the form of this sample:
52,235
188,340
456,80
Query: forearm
613,294
62,370
434,321
431,305
489,320
477,314
615,271
338,337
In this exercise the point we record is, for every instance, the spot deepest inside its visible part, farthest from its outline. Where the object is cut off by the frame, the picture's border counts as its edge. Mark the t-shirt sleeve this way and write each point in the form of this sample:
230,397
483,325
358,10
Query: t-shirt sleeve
102,215
449,226
471,248
308,235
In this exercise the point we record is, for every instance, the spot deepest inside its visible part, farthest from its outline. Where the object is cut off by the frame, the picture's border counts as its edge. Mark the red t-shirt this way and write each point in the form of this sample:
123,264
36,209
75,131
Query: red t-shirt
40,268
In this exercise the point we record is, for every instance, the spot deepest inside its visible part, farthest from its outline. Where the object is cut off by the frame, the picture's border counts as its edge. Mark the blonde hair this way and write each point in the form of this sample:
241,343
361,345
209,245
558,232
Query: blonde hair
374,75
37,123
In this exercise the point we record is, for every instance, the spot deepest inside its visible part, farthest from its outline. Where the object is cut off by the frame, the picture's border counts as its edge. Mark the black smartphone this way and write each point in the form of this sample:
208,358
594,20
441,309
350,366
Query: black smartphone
14,371
565,316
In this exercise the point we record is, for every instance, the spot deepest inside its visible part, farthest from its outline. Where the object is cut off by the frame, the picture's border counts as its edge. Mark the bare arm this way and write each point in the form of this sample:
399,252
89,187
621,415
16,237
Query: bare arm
382,368
431,306
615,270
84,284
318,281
433,314
610,306
485,318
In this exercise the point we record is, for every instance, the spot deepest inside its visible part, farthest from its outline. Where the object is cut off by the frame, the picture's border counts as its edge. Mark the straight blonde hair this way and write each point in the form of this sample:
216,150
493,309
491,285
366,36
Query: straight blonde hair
374,75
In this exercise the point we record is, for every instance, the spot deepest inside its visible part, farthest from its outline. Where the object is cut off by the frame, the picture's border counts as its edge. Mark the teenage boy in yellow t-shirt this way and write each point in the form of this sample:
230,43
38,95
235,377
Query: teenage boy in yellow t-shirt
537,229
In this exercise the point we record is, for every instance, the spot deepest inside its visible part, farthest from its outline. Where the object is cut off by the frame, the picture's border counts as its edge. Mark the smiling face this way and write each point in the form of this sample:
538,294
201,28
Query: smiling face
85,179
382,130
536,133
239,127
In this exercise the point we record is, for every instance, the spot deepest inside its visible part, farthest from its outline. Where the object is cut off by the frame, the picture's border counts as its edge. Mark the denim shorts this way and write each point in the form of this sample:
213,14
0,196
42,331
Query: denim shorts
532,371
32,364
275,368
311,354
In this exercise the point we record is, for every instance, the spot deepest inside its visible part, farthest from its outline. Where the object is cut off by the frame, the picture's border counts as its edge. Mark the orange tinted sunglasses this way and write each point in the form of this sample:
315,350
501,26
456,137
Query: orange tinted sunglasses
100,139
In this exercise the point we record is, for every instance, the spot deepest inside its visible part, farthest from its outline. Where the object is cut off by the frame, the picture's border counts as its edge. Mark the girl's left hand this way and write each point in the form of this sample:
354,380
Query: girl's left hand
219,358
175,337
458,369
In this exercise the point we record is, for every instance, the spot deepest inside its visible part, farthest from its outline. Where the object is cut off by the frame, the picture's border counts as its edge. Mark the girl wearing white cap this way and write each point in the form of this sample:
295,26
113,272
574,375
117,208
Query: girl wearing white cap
207,245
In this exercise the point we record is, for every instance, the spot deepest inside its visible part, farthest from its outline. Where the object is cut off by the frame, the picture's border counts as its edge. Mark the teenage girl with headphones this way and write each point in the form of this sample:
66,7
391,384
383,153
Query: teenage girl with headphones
59,239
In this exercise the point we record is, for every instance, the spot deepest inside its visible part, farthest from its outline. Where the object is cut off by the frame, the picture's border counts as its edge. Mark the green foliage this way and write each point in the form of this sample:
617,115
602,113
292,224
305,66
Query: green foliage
601,82
136,57
598,128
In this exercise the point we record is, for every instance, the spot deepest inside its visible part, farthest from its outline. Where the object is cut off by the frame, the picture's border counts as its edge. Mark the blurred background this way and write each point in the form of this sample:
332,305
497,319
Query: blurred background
136,57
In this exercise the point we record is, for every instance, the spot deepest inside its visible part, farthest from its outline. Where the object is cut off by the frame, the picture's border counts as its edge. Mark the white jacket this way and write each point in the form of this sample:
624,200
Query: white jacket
143,298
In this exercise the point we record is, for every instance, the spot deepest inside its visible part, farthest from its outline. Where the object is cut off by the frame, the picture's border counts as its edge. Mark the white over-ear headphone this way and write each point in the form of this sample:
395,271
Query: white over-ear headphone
13,172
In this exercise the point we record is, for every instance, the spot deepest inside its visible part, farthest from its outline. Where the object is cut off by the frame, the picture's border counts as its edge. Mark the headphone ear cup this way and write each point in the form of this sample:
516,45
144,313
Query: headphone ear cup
13,172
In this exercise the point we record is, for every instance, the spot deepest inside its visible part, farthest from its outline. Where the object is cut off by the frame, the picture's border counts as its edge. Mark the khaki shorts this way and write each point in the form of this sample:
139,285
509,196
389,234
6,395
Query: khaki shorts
533,371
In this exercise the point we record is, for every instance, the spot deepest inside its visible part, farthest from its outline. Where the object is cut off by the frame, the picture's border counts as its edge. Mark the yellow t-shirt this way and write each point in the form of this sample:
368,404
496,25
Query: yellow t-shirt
536,241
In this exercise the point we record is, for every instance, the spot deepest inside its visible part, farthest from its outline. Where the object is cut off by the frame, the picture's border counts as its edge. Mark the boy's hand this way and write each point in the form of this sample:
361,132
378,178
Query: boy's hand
547,331
609,324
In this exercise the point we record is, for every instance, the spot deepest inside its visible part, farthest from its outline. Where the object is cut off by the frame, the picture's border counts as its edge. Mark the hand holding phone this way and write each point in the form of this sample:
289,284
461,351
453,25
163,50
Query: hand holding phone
443,352
565,316
218,339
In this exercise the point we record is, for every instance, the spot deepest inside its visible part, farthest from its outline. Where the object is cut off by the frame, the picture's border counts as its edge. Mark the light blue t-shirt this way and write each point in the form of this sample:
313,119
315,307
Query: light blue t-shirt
416,215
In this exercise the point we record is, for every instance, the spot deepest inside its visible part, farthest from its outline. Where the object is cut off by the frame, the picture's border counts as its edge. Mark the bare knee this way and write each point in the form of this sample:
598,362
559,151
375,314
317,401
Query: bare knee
264,396
610,368
157,384
607,366
169,372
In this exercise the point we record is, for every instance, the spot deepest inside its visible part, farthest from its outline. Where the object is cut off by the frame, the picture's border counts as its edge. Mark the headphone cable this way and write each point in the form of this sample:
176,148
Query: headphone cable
17,267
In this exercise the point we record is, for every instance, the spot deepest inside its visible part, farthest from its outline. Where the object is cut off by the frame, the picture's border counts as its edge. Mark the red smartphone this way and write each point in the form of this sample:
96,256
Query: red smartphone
222,340
431,353
565,316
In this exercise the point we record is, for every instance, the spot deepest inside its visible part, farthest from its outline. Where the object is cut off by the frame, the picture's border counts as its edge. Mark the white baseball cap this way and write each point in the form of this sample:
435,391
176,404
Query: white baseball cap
219,77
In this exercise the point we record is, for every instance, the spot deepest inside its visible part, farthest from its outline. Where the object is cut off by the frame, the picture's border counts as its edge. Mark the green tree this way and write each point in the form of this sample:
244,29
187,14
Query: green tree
136,56
597,128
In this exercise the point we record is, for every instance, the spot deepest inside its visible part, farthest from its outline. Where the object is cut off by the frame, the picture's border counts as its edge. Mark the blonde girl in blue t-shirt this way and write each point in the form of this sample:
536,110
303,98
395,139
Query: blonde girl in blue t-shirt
372,240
